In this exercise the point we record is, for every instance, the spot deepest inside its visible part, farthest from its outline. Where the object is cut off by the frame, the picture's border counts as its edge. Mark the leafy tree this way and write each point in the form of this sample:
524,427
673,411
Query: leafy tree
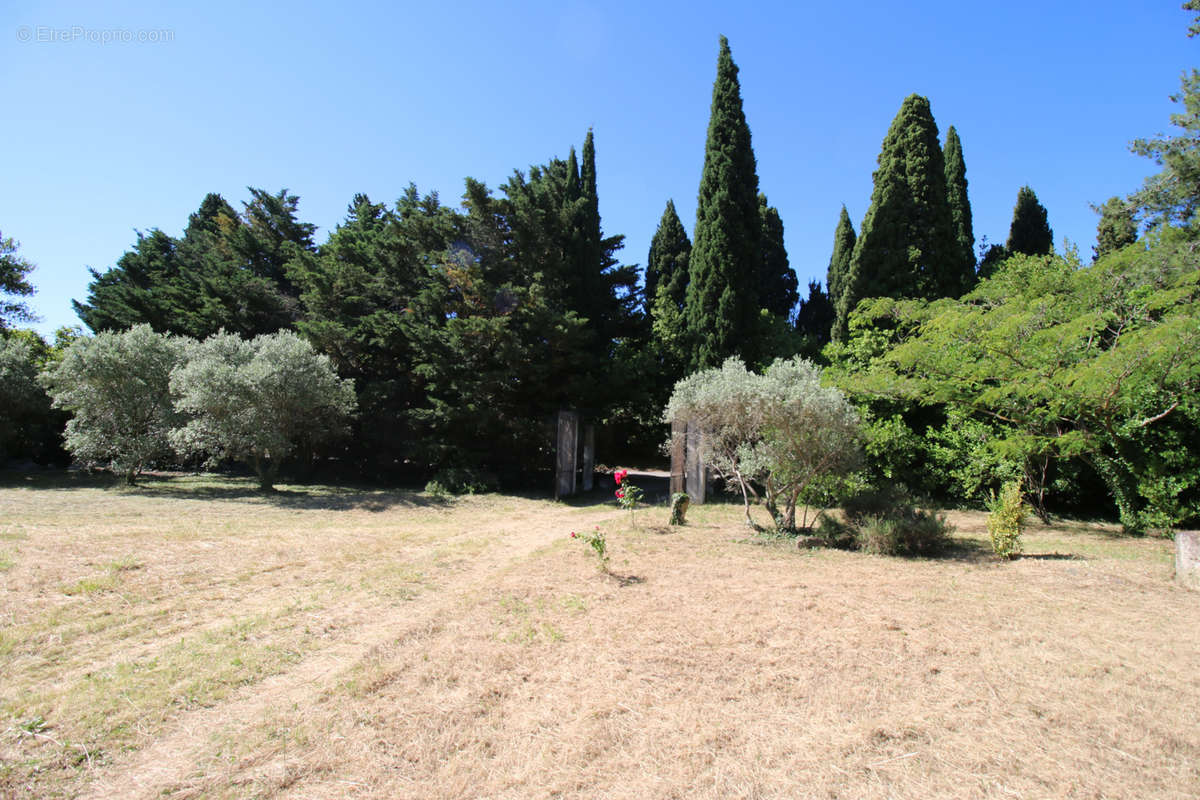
722,293
1029,233
990,258
14,282
960,209
29,428
781,429
667,262
259,401
844,239
116,387
1116,229
777,281
907,246
1099,363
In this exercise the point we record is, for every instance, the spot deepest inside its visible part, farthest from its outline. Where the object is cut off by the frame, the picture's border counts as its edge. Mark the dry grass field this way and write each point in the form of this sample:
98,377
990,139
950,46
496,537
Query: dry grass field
192,638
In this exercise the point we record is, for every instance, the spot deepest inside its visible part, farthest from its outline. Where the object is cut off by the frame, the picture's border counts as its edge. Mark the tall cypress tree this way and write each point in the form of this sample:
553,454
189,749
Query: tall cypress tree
776,281
907,247
1030,231
960,209
844,238
667,262
722,288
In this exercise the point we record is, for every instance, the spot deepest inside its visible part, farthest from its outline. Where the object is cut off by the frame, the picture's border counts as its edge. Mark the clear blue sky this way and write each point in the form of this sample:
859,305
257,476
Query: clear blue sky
101,138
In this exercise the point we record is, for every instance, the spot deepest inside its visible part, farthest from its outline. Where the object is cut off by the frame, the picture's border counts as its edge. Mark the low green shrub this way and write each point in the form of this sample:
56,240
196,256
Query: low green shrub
1007,520
464,480
835,532
905,531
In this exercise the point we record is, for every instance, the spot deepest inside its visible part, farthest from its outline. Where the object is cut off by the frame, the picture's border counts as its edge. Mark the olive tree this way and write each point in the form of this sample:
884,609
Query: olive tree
258,400
782,430
116,387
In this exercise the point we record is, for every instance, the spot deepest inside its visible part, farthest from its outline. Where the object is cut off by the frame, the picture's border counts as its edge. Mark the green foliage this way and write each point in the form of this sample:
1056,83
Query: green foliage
29,428
905,531
1172,196
1066,361
259,401
1117,227
599,544
116,386
844,239
1006,520
960,211
814,320
227,272
781,429
679,506
1029,234
722,293
465,480
14,283
777,281
907,246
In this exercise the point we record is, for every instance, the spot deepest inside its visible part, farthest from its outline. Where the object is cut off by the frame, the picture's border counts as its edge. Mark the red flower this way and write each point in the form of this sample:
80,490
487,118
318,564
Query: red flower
620,475
620,493
573,534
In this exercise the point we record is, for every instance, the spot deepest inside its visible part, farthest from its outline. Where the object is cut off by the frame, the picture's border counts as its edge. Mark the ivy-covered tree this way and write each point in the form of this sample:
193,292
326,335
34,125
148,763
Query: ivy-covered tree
907,246
722,293
1117,227
1030,232
777,281
960,209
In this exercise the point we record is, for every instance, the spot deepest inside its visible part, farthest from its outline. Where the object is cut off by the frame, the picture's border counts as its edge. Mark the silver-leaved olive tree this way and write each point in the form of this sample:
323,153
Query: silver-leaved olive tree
258,401
116,387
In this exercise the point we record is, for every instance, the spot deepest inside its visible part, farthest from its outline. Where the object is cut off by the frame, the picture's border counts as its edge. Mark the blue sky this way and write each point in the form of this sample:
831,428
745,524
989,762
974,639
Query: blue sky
102,139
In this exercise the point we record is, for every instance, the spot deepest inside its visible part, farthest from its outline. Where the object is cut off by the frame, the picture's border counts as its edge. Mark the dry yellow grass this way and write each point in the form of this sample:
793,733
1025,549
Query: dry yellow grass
192,639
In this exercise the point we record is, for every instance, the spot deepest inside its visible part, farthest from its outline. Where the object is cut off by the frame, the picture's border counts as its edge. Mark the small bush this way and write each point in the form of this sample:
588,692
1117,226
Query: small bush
1007,520
836,533
464,480
906,531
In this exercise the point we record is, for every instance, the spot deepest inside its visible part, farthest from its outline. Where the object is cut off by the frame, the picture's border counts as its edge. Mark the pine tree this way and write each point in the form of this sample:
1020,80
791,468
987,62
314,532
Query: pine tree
844,238
1117,227
907,246
1030,232
722,292
777,281
960,209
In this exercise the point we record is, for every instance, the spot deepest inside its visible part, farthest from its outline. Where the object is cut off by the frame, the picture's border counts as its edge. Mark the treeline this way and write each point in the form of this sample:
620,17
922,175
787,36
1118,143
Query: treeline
465,328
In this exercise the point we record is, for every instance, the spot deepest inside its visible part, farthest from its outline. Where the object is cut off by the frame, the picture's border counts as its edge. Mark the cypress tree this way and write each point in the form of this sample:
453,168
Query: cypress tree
844,238
1030,231
960,208
776,281
722,287
667,263
907,247
1117,227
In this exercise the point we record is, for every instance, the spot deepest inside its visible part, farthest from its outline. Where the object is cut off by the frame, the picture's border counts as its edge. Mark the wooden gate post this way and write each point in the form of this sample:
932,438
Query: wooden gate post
697,473
678,456
568,449
589,456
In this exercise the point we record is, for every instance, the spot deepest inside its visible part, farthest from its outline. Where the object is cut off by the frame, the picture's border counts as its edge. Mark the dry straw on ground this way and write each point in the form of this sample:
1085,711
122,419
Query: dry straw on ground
193,639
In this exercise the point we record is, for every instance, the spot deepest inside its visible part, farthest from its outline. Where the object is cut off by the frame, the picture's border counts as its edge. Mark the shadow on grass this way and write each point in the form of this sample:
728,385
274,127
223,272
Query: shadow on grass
186,486
627,580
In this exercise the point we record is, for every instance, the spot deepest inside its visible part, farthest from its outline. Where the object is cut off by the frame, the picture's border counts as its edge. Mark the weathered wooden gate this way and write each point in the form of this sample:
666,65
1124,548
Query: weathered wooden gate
575,454
689,473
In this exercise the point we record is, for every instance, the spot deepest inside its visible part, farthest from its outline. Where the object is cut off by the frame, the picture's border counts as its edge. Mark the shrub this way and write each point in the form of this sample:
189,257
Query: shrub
465,480
1007,519
835,532
906,531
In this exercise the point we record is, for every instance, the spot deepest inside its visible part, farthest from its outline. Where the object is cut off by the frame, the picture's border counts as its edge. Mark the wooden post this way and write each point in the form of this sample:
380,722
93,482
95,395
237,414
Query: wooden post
678,457
1187,558
589,456
568,448
696,479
